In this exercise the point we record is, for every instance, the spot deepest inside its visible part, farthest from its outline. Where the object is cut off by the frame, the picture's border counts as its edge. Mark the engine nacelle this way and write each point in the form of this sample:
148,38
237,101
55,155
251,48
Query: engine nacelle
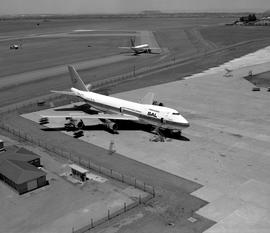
80,125
111,125
71,124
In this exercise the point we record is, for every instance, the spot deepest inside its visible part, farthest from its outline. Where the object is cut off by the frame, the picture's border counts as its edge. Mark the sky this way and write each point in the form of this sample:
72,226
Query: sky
128,6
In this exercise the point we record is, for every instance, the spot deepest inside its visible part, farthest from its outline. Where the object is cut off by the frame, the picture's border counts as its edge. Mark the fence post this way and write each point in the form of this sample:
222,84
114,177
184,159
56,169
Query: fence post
92,223
134,70
108,214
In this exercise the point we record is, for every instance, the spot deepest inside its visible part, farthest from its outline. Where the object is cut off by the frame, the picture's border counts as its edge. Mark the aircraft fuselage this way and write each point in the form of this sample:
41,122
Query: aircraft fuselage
159,116
144,48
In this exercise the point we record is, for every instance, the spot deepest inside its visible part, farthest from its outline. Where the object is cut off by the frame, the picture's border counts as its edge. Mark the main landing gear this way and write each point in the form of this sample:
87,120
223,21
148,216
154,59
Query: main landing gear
76,126
162,135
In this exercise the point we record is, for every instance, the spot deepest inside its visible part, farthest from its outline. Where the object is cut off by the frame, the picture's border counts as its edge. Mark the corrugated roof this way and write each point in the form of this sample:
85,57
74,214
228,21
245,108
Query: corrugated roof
22,150
16,167
18,156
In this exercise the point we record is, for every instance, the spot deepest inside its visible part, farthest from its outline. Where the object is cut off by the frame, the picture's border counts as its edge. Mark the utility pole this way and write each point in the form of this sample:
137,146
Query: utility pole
134,70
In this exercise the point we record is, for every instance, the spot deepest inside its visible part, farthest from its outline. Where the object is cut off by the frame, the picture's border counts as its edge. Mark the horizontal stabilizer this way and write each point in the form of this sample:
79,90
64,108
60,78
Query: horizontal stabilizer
64,92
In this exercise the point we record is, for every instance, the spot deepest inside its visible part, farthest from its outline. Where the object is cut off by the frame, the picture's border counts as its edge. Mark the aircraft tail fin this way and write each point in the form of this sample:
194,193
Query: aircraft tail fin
148,98
76,80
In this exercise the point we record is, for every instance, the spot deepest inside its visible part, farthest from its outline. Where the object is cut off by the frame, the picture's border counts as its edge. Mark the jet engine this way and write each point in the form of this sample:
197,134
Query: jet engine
80,125
74,124
110,125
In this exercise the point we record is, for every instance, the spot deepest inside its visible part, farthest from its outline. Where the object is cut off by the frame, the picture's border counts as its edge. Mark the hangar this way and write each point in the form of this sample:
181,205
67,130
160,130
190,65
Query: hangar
19,170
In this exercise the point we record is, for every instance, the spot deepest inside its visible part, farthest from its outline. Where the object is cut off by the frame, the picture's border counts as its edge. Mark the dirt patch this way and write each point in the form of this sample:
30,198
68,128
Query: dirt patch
228,35
168,212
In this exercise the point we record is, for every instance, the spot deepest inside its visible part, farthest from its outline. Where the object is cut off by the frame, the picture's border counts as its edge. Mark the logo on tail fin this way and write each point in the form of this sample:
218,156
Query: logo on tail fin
73,80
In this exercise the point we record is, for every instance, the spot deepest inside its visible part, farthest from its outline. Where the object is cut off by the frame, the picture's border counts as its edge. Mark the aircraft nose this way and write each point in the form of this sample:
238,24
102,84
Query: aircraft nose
185,122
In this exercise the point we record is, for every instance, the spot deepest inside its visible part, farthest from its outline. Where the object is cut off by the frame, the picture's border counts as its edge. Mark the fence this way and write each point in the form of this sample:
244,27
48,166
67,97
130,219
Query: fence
92,223
94,167
81,161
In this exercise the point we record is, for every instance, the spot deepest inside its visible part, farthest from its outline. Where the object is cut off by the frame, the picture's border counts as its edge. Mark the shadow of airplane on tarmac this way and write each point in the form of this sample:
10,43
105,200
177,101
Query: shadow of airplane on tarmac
123,126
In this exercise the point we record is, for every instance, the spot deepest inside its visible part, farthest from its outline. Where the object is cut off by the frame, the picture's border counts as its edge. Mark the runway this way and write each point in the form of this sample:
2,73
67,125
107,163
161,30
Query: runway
21,78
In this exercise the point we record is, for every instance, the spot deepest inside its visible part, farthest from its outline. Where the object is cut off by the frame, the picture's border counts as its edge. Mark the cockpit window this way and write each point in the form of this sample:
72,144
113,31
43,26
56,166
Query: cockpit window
176,113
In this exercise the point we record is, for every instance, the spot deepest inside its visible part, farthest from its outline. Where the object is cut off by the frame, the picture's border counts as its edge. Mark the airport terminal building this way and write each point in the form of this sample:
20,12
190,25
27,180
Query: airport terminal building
19,170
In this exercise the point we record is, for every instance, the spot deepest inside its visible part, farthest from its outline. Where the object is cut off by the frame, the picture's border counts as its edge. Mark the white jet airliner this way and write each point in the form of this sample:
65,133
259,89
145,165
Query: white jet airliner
111,108
137,49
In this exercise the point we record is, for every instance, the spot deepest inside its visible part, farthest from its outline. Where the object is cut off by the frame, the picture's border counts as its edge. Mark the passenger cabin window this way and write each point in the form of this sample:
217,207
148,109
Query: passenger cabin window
176,113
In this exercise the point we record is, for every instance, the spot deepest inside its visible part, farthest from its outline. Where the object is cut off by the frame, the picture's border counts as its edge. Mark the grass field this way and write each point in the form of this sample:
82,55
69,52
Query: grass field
228,35
39,53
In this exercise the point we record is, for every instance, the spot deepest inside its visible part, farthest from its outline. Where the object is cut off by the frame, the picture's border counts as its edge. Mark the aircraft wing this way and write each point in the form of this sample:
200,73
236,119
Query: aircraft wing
124,47
82,116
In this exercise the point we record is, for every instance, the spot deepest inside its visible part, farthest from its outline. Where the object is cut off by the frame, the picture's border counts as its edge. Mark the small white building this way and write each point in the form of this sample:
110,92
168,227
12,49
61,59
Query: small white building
78,172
